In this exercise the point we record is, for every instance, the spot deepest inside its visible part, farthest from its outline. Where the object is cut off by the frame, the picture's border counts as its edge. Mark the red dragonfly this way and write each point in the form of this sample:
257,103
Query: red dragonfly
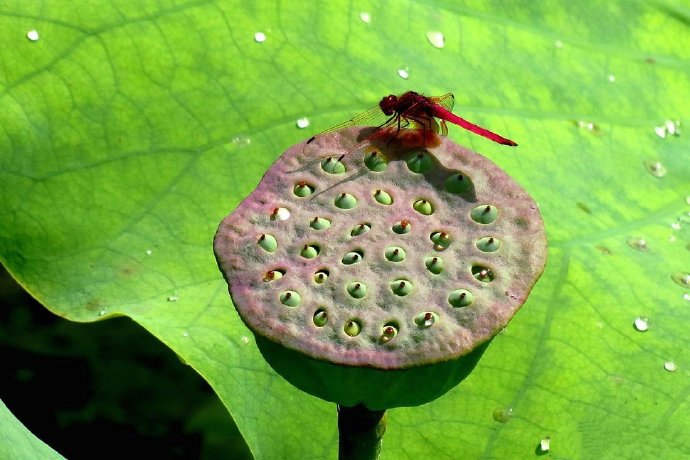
420,111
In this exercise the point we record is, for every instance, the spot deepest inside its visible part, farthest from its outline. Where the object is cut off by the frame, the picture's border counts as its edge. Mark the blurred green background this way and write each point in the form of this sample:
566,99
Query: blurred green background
129,130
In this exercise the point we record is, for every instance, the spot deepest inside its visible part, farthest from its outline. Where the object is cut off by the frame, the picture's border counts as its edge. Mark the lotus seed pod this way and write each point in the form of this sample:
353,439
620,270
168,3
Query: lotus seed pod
425,257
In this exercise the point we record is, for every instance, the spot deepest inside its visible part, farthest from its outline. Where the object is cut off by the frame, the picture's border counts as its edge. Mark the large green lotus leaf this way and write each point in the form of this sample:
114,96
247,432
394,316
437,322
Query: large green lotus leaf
18,442
129,129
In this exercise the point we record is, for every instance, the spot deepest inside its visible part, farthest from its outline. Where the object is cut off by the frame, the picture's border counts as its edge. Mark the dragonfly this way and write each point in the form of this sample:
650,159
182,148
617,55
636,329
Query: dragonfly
416,111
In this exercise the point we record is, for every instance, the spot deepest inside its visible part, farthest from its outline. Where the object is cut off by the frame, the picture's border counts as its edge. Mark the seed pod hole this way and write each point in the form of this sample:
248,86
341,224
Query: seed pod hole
280,214
352,328
434,264
375,161
274,274
290,298
333,166
353,257
345,201
484,214
268,242
441,240
402,227
320,317
460,298
401,287
419,162
458,183
321,276
309,251
360,229
483,274
423,207
319,223
488,244
383,197
426,319
302,189
389,331
357,289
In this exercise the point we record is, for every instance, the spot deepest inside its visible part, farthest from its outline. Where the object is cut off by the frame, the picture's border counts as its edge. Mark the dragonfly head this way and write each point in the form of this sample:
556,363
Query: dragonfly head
388,104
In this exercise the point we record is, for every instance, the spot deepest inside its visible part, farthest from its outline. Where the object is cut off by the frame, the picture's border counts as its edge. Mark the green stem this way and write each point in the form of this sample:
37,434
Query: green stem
361,432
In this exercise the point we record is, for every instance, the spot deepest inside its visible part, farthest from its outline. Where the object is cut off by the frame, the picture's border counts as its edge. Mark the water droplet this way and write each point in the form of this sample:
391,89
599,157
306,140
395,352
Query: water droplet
545,444
241,141
686,296
503,414
244,340
149,252
612,78
687,200
670,366
365,17
588,125
404,73
672,127
437,39
102,312
185,334
32,35
639,244
655,168
681,278
558,44
302,122
259,37
660,131
641,324
173,298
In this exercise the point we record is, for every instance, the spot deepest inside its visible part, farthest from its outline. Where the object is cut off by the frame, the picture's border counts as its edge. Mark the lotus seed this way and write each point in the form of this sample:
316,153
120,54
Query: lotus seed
458,183
345,201
352,328
441,240
434,264
374,161
321,276
320,317
383,197
401,287
395,254
402,227
482,274
273,275
332,166
484,214
419,163
319,223
352,257
357,290
426,319
460,298
389,333
290,298
488,244
360,229
302,189
280,214
309,251
268,242
423,207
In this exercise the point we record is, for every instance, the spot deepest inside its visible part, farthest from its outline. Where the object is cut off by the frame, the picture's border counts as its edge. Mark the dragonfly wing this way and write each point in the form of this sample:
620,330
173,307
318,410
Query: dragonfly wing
447,101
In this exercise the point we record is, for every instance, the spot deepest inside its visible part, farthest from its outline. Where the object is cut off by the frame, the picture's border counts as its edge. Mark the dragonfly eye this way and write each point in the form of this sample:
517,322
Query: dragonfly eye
387,104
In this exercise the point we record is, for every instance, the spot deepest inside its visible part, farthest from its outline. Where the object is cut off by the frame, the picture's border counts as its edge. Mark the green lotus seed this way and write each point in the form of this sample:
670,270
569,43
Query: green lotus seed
320,317
441,240
345,201
302,189
458,183
356,289
402,227
434,264
383,197
332,166
309,251
388,333
273,275
483,274
419,162
460,298
352,257
484,214
360,229
401,287
268,242
319,223
375,161
290,298
352,328
395,254
488,244
321,276
426,319
423,207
